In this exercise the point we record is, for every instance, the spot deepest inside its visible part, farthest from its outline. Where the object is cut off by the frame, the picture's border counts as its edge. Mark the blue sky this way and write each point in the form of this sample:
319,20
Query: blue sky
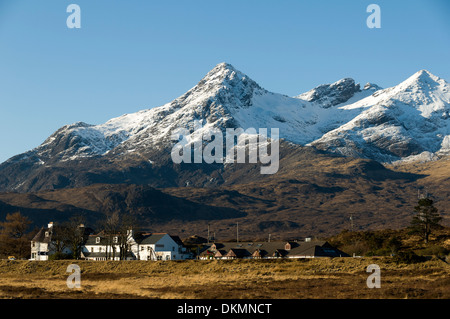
132,55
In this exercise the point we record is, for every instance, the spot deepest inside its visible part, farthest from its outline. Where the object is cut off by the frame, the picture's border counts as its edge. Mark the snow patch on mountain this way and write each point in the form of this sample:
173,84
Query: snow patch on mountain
339,92
397,122
385,124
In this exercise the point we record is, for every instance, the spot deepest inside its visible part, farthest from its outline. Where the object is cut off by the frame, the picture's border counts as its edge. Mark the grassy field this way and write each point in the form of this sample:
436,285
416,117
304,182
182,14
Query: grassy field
226,279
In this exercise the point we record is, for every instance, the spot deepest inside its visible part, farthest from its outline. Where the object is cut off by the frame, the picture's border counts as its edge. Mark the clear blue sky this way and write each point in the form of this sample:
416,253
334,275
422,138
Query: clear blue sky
131,55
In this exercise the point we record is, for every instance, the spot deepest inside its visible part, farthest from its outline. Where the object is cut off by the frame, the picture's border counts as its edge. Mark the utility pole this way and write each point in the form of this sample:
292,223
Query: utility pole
269,238
237,232
208,234
351,221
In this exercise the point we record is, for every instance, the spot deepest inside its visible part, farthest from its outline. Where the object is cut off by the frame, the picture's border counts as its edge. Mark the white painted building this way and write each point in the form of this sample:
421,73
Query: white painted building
41,244
141,246
159,246
99,247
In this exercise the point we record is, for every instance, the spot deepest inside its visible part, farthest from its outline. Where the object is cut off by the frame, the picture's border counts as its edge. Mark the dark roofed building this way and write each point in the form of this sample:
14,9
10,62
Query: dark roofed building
238,253
40,244
49,240
291,249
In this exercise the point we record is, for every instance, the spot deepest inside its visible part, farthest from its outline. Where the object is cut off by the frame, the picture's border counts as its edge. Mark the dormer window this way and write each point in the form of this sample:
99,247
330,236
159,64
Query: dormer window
97,240
46,234
115,239
287,246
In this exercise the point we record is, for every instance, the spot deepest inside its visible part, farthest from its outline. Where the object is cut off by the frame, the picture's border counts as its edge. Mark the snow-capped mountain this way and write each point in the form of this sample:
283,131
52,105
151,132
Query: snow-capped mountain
224,98
408,120
382,124
342,91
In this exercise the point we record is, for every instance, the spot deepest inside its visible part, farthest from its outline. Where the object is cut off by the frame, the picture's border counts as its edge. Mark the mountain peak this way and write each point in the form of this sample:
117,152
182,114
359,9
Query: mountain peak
422,77
328,95
224,66
223,83
423,74
224,72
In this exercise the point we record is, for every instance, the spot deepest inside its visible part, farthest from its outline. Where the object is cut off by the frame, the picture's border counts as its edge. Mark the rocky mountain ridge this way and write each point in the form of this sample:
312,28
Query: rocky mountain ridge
387,125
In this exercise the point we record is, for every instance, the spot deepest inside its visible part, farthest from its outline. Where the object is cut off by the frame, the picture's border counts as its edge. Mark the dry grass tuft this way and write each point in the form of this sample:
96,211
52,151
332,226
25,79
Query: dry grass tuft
251,279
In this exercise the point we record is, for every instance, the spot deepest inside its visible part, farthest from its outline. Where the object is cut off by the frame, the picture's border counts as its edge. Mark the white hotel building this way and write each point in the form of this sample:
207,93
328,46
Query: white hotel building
141,246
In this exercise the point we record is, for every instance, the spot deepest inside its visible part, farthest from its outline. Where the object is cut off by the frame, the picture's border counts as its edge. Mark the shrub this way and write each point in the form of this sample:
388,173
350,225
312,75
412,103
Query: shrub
408,257
59,256
433,251
380,252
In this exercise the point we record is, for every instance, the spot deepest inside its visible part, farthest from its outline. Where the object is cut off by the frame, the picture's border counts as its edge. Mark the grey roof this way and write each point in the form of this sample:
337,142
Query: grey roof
40,236
152,239
238,253
177,240
104,240
142,239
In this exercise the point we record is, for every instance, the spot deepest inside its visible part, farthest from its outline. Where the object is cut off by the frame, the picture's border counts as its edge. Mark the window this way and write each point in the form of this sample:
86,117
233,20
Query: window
97,240
173,248
46,234
115,239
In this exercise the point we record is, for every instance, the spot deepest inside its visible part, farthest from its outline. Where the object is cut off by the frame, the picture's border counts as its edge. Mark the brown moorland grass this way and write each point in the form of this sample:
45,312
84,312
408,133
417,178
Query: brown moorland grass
320,278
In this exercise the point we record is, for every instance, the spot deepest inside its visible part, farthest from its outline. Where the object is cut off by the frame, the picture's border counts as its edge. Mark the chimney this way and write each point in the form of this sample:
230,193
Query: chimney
130,233
50,225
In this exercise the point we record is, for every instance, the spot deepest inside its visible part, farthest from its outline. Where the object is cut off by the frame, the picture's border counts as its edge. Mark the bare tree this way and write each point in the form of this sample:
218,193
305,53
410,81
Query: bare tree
127,227
59,238
75,235
12,235
111,229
